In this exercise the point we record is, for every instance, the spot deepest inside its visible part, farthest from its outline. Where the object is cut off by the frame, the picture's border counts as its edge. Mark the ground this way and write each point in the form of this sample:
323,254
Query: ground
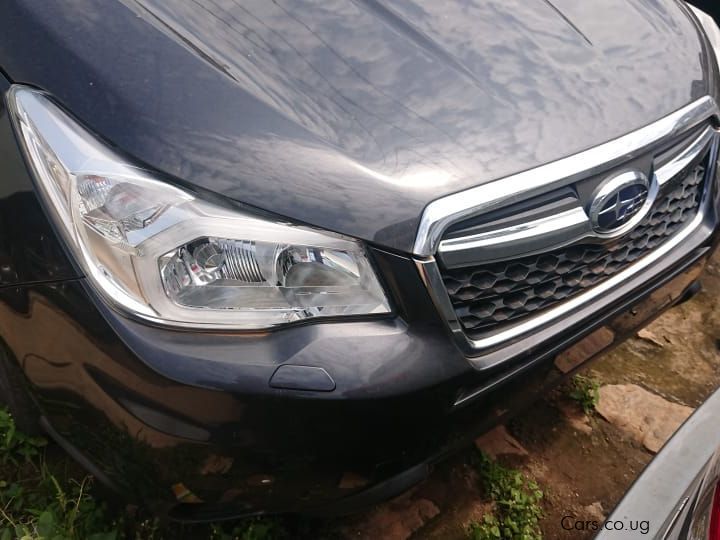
583,463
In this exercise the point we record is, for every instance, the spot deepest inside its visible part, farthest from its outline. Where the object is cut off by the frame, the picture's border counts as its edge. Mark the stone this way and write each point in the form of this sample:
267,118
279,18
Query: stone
650,337
648,418
396,520
498,442
594,511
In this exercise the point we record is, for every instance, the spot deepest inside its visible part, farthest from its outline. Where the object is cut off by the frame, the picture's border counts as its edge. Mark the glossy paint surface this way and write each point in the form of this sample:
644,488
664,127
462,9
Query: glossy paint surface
353,115
350,115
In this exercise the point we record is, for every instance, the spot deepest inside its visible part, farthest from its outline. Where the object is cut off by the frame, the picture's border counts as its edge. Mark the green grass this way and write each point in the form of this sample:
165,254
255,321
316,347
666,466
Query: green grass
44,496
49,510
516,504
14,445
586,391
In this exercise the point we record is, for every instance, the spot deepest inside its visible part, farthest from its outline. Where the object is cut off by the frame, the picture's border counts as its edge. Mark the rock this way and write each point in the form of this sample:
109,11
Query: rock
647,335
646,417
594,511
396,520
499,442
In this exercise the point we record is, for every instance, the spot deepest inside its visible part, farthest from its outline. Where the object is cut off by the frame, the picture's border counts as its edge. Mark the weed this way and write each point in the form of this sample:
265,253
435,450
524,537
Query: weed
41,508
516,502
14,444
586,391
39,502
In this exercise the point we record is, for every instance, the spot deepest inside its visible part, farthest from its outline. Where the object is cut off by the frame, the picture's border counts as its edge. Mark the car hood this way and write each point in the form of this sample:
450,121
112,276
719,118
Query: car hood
352,115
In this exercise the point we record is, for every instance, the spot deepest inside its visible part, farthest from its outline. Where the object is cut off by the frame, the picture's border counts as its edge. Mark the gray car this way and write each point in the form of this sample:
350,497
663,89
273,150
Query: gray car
284,256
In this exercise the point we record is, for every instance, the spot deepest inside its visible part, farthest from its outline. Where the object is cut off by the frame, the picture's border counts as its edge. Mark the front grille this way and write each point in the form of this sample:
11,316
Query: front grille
488,297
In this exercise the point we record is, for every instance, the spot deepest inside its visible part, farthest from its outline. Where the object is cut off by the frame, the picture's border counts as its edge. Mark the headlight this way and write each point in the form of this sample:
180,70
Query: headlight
711,29
160,253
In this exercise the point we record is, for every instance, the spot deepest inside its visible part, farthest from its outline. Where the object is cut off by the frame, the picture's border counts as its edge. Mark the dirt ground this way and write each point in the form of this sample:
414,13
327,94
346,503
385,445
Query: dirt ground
583,464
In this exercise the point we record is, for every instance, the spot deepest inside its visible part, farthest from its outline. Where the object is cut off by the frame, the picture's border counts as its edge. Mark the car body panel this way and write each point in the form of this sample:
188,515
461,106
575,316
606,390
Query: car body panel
353,116
288,113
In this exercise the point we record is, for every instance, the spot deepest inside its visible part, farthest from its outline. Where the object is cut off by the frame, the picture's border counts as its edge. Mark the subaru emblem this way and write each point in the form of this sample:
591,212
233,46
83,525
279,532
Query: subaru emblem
621,203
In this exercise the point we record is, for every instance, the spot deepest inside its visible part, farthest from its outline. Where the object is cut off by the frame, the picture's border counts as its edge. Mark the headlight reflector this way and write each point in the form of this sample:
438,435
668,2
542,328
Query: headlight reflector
222,273
160,253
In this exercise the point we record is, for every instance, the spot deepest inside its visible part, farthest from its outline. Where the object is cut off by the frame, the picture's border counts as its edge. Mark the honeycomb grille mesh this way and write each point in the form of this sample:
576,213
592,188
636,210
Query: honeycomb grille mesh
487,297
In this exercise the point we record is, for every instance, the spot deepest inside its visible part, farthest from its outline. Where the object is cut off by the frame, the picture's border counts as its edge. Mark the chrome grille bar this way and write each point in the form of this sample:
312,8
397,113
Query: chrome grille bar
551,232
442,213
489,350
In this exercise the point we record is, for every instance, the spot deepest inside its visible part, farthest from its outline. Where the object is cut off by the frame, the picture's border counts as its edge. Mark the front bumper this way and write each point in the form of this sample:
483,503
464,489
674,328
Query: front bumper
190,423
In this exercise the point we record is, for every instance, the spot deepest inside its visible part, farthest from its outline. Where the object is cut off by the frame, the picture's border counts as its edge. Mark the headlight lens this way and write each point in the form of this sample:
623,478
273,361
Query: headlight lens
160,253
